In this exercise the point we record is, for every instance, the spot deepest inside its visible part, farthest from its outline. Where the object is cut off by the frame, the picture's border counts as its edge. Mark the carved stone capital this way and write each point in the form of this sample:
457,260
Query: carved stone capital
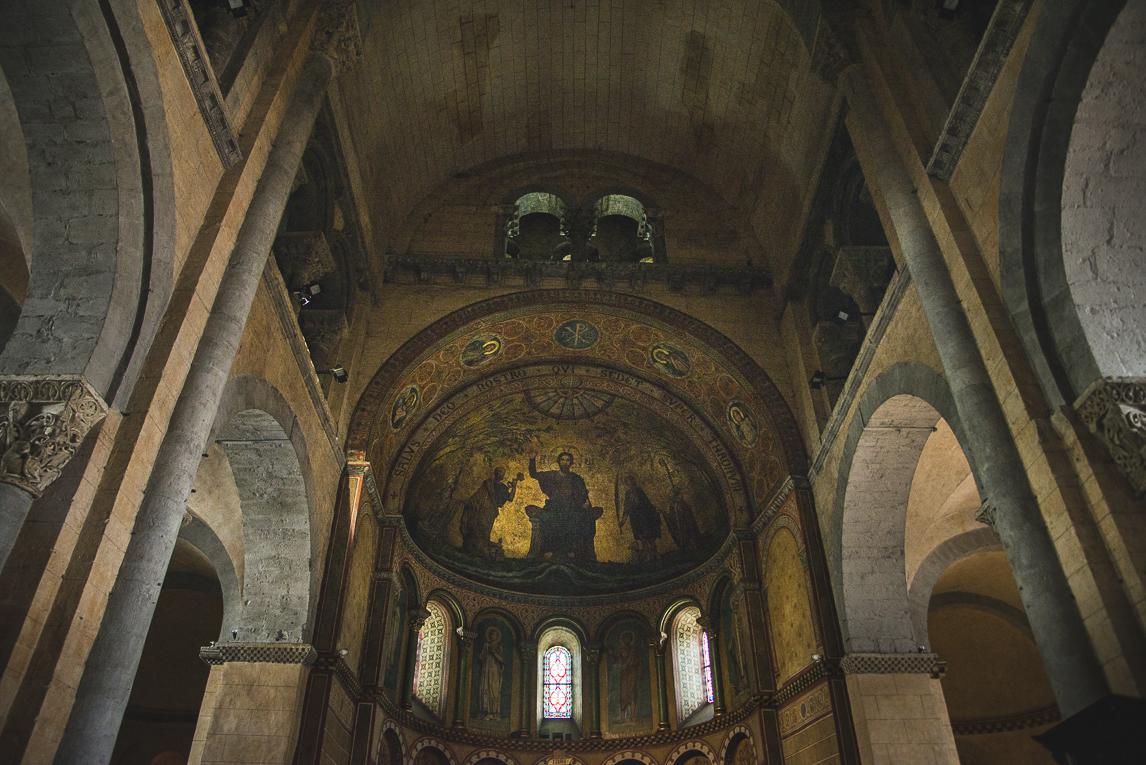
593,655
43,420
337,36
323,331
418,618
303,257
527,651
864,273
1114,409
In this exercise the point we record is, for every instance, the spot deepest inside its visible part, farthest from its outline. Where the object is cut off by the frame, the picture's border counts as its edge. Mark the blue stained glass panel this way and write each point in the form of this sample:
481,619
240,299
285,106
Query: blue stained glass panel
557,674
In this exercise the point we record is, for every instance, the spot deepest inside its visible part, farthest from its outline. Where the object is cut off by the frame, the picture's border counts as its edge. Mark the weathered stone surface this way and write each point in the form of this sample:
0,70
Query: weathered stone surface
1115,410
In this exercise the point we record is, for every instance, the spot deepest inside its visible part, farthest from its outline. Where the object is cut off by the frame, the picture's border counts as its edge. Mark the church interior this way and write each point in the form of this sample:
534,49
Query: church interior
572,382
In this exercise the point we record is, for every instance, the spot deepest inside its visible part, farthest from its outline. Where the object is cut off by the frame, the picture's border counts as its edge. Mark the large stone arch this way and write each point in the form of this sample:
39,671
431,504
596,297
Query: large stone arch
259,434
85,86
936,562
1035,282
892,422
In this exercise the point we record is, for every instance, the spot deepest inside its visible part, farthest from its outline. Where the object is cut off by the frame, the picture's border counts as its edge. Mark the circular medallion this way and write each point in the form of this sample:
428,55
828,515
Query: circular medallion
404,406
669,360
480,350
577,335
742,423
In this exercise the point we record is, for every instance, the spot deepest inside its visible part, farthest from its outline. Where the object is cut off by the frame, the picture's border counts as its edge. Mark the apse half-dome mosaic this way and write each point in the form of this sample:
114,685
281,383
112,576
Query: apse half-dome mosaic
571,447
588,495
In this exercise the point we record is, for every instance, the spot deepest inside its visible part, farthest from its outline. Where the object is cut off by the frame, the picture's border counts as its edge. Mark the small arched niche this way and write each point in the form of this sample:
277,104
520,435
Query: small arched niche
692,662
537,229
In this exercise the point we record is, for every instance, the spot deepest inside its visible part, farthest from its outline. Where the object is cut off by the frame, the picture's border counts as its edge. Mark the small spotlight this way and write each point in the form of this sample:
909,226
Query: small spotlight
343,652
842,317
817,656
339,374
308,293
234,634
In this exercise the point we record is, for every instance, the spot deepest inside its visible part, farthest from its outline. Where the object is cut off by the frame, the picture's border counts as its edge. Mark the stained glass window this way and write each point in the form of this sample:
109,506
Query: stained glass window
431,662
693,662
706,665
557,684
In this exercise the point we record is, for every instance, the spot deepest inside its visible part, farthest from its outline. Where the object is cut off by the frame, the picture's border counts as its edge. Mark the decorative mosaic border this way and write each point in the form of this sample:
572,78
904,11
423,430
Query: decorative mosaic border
893,664
1034,719
787,435
259,653
805,709
997,42
193,57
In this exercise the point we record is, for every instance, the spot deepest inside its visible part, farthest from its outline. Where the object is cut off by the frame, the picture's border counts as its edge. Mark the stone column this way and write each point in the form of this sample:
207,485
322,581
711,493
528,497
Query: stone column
659,648
710,628
528,654
465,650
106,683
593,688
42,423
1061,636
414,625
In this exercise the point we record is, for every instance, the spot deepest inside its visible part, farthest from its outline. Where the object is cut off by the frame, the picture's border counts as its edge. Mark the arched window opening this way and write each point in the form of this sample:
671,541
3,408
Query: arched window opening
432,663
537,229
557,684
693,663
621,231
558,698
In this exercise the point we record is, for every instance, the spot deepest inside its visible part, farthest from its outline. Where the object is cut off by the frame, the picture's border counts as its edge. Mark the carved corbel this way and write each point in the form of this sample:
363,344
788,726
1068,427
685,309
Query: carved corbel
42,423
323,331
1114,409
337,36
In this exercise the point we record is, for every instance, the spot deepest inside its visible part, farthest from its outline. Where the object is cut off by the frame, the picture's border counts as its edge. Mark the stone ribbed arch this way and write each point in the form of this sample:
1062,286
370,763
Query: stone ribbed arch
99,168
892,422
259,434
1062,50
933,566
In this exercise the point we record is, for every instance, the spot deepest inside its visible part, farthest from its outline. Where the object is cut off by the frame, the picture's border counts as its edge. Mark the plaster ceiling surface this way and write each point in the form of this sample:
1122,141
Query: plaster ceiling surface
711,89
672,433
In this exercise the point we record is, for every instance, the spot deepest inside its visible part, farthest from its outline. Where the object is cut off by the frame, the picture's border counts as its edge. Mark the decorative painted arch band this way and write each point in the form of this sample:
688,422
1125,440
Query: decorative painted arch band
694,746
490,754
732,733
629,754
388,382
436,744
391,725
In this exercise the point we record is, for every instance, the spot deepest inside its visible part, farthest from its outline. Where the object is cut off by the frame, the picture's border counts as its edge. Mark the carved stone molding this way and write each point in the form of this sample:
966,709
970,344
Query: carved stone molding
337,36
893,664
303,257
1114,409
706,280
997,41
43,421
193,56
259,653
